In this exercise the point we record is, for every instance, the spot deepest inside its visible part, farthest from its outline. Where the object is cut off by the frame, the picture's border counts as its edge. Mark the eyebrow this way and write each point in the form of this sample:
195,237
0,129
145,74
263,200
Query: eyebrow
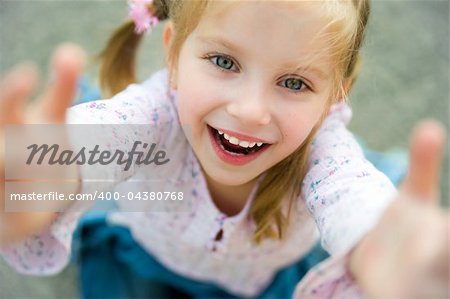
317,72
221,42
212,40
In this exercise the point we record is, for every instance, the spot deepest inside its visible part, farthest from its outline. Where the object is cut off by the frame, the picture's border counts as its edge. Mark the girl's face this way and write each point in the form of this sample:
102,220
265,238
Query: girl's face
251,83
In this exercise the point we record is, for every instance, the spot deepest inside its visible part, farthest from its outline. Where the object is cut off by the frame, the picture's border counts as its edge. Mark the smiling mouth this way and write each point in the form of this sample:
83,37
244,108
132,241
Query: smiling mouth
228,144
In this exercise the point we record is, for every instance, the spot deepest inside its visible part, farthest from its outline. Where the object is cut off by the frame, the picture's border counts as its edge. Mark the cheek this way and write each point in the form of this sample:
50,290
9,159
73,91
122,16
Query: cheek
297,135
300,122
193,100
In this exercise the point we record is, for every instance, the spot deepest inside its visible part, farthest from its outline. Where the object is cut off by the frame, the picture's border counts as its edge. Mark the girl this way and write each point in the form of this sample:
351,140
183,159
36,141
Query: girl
253,102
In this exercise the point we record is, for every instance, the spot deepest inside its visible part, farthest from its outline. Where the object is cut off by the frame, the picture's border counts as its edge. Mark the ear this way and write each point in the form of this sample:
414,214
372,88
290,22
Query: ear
345,89
168,36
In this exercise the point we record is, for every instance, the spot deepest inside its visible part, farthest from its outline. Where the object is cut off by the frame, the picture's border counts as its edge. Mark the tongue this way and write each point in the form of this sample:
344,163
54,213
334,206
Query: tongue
236,148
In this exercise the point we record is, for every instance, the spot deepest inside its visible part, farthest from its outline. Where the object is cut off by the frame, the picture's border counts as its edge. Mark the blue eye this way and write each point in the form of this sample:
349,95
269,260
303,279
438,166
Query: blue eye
294,84
222,62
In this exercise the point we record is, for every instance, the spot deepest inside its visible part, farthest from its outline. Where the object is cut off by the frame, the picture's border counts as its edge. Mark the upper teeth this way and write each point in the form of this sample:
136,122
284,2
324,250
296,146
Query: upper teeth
235,141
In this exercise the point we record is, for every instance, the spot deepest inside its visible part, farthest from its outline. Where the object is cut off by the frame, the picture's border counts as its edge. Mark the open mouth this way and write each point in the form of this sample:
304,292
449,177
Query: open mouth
234,146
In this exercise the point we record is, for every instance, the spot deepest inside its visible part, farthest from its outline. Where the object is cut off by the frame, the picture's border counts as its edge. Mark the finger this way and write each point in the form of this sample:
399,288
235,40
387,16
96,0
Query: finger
426,152
18,225
15,89
67,65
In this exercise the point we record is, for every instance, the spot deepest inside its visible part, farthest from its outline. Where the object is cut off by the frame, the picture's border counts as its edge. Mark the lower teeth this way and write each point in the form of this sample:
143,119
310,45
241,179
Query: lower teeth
245,151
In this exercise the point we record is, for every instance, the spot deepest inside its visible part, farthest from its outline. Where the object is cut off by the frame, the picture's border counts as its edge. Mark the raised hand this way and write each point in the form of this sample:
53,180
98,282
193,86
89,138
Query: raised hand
50,108
406,256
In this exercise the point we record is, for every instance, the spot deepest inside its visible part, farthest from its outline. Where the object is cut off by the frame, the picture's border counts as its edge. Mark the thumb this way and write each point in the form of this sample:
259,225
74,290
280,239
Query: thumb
426,154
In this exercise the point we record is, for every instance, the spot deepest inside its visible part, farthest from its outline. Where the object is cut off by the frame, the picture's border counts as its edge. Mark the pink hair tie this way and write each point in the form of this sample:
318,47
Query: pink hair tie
143,19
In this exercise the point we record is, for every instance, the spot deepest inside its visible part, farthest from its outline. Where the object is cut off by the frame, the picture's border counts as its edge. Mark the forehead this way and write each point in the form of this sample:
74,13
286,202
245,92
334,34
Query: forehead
218,8
289,29
264,14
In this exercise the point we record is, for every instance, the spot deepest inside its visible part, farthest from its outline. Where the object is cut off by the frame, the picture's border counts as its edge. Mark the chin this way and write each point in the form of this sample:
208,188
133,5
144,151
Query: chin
231,178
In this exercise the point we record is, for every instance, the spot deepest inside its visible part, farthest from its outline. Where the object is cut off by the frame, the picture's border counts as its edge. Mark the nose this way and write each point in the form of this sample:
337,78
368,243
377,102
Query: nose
251,107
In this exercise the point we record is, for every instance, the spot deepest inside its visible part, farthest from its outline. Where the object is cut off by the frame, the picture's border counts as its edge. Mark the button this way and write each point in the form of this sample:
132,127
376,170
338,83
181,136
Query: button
219,235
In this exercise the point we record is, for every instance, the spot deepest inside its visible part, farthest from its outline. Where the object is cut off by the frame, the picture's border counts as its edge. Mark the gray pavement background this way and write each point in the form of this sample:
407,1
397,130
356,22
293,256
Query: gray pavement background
405,78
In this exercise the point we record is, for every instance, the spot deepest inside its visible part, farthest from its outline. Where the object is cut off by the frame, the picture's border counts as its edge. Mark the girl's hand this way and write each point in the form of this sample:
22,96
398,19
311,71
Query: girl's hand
406,256
50,108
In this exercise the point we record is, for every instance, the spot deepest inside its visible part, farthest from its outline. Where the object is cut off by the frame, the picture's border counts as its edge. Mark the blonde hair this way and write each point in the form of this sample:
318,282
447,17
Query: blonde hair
345,32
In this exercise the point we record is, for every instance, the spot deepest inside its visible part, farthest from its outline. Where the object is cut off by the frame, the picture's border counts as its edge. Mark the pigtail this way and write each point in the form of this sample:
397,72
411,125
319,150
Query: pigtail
118,59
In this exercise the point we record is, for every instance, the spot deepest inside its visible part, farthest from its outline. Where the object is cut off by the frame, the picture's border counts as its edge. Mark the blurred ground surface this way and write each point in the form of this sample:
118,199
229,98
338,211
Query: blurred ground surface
405,78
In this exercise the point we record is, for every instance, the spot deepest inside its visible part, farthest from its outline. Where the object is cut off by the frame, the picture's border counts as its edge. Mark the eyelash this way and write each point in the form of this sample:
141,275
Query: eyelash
211,56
